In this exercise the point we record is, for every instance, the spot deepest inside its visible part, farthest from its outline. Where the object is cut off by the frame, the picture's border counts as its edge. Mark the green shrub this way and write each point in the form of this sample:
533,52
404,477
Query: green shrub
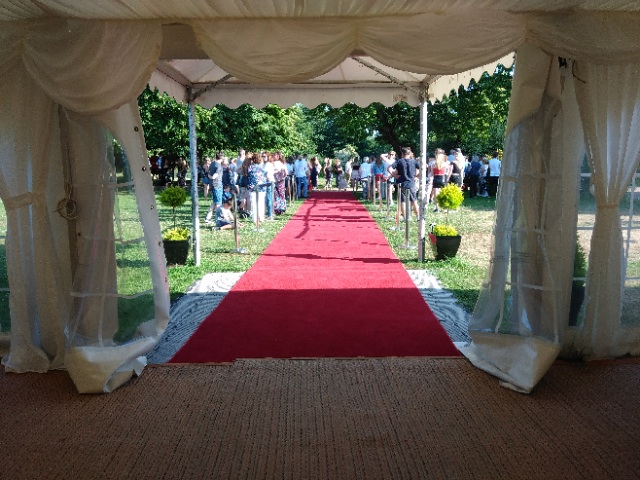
450,197
444,231
176,234
173,197
579,264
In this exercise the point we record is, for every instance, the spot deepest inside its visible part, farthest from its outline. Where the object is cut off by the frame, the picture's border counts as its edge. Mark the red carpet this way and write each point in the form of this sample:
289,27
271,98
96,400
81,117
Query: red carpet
329,285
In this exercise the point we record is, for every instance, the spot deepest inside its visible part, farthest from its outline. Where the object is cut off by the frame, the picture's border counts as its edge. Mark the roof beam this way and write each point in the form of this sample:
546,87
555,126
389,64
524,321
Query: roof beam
211,86
389,76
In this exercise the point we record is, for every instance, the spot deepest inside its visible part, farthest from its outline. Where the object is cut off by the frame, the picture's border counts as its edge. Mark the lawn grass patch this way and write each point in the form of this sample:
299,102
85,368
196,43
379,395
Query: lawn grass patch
464,274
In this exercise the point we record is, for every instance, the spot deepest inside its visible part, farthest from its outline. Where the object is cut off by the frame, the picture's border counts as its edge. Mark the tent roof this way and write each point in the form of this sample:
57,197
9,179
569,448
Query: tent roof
210,9
302,51
359,79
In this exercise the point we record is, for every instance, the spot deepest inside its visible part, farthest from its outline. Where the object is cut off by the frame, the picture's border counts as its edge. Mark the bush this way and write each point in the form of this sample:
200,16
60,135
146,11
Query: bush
444,231
176,234
450,197
173,197
579,264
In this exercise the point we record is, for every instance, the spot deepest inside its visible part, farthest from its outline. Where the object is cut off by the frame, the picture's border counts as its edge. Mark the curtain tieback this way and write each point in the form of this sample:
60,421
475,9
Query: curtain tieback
23,200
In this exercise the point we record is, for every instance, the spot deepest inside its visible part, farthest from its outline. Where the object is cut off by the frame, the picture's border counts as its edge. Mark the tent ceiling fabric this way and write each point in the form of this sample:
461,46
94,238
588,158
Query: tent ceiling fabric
207,9
350,81
358,78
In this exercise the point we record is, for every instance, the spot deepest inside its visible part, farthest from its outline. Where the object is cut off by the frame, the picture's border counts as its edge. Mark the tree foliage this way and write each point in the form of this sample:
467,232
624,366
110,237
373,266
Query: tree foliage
473,118
166,126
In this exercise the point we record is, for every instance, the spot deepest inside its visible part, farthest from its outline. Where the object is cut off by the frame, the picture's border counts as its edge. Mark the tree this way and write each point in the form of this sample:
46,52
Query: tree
165,123
473,118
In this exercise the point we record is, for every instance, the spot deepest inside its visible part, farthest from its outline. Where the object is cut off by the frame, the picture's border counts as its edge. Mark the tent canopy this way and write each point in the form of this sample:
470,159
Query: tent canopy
70,69
358,79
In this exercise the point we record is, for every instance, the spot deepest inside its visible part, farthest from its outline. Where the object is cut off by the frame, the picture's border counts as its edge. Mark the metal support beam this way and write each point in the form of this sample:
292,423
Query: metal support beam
423,172
195,205
194,96
387,75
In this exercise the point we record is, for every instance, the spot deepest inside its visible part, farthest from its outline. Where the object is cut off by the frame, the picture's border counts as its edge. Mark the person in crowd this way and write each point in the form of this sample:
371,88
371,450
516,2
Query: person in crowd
314,171
170,164
203,172
215,177
473,176
431,163
227,174
340,179
256,186
241,155
493,174
328,173
347,170
405,170
243,180
440,175
233,168
279,192
289,181
378,173
457,168
267,162
183,168
387,159
336,167
224,215
365,177
154,168
482,184
301,172
355,176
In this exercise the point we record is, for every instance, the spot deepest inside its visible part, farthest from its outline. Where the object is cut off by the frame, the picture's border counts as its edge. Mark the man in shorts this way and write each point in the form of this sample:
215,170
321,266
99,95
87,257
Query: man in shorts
405,170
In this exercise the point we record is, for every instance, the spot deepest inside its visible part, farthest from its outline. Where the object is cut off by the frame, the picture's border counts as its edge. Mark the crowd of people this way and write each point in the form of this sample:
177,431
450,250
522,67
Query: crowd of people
263,182
257,179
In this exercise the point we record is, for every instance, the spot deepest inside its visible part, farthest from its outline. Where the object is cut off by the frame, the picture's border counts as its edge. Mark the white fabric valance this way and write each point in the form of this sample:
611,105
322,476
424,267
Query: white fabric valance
88,67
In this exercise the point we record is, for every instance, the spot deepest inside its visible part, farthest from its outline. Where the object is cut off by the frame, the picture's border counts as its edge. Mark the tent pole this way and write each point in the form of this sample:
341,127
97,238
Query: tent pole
423,172
193,153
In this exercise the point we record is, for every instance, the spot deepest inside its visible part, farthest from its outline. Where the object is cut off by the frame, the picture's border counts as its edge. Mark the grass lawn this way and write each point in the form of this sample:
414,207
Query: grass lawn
462,275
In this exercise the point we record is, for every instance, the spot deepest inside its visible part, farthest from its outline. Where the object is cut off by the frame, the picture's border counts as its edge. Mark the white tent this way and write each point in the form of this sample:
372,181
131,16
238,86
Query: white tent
67,71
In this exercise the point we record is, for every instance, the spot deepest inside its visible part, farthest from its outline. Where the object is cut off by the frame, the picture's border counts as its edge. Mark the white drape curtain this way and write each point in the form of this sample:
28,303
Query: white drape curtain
609,100
520,323
50,72
36,246
517,326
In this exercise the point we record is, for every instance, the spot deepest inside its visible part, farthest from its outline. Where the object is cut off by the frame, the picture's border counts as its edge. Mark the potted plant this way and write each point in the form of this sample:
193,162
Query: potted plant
175,240
444,238
577,286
